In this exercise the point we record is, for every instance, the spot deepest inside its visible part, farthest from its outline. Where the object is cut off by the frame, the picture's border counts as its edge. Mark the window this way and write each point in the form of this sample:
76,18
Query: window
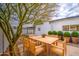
66,27
71,27
77,27
30,30
38,29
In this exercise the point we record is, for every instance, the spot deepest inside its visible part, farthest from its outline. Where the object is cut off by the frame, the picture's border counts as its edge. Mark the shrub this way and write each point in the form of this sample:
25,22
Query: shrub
54,33
60,33
75,34
49,32
66,34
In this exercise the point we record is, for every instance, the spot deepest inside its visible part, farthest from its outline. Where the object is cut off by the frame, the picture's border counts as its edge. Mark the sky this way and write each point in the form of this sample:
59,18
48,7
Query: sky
65,10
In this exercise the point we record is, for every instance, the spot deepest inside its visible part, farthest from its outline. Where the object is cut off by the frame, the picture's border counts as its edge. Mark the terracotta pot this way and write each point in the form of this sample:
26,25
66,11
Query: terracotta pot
67,39
75,40
43,36
59,37
53,35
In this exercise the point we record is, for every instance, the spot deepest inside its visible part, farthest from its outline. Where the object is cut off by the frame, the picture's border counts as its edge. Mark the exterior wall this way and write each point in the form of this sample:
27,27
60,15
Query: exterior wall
24,30
57,24
44,28
38,32
2,37
0,40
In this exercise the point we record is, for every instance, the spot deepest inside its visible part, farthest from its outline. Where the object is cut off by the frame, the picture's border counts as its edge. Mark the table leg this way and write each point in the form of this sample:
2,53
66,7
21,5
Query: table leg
48,49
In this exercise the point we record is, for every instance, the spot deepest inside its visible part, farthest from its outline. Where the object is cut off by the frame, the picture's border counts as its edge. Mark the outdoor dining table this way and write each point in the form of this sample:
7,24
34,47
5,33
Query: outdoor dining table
47,40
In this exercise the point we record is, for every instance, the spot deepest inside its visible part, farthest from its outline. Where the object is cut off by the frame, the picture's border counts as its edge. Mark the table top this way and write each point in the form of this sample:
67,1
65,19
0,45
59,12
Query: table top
47,39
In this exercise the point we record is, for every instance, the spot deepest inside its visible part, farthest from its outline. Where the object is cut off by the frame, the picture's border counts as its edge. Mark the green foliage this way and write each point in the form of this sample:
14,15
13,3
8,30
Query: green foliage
49,32
75,34
54,32
38,22
23,12
60,33
66,34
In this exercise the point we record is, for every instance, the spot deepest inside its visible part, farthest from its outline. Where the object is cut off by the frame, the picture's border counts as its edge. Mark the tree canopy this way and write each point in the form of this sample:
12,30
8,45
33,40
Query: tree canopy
33,13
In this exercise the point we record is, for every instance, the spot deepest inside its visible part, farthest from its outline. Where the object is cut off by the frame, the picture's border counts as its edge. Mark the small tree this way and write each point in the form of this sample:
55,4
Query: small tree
22,11
54,32
66,34
75,34
49,32
26,13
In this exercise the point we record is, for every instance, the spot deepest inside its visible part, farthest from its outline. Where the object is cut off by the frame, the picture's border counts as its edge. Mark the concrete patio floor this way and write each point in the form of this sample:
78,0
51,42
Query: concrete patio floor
73,49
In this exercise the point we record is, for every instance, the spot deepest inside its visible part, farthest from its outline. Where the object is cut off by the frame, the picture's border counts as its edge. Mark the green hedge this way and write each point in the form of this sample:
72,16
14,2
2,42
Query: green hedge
60,33
75,34
54,32
66,34
49,32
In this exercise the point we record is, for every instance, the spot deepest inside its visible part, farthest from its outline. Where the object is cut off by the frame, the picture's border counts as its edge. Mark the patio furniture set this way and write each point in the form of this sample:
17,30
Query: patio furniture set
36,45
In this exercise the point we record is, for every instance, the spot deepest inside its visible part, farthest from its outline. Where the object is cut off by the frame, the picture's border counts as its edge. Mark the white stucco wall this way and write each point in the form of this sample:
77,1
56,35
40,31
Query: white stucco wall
44,28
57,25
5,41
0,40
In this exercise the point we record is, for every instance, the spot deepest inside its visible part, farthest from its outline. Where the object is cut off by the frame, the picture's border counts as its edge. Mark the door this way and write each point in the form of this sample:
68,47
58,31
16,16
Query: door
30,30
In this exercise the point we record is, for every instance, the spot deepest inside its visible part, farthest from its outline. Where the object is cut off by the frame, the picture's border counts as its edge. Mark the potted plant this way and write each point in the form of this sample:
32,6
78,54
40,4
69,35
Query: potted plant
75,37
49,32
43,35
67,37
54,34
60,34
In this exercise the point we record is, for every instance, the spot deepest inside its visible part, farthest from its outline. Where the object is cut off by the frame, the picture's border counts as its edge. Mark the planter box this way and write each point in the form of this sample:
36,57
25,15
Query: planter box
60,37
53,36
67,39
75,40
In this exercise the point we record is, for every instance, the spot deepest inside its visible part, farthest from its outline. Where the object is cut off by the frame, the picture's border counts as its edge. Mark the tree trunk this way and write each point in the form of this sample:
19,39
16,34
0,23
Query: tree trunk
11,50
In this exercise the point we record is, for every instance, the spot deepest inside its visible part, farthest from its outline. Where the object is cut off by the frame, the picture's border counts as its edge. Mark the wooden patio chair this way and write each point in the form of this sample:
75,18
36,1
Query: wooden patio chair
26,45
34,49
59,48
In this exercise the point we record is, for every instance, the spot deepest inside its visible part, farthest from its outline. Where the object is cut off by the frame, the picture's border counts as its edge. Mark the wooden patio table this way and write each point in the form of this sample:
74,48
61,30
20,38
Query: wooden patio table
47,40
